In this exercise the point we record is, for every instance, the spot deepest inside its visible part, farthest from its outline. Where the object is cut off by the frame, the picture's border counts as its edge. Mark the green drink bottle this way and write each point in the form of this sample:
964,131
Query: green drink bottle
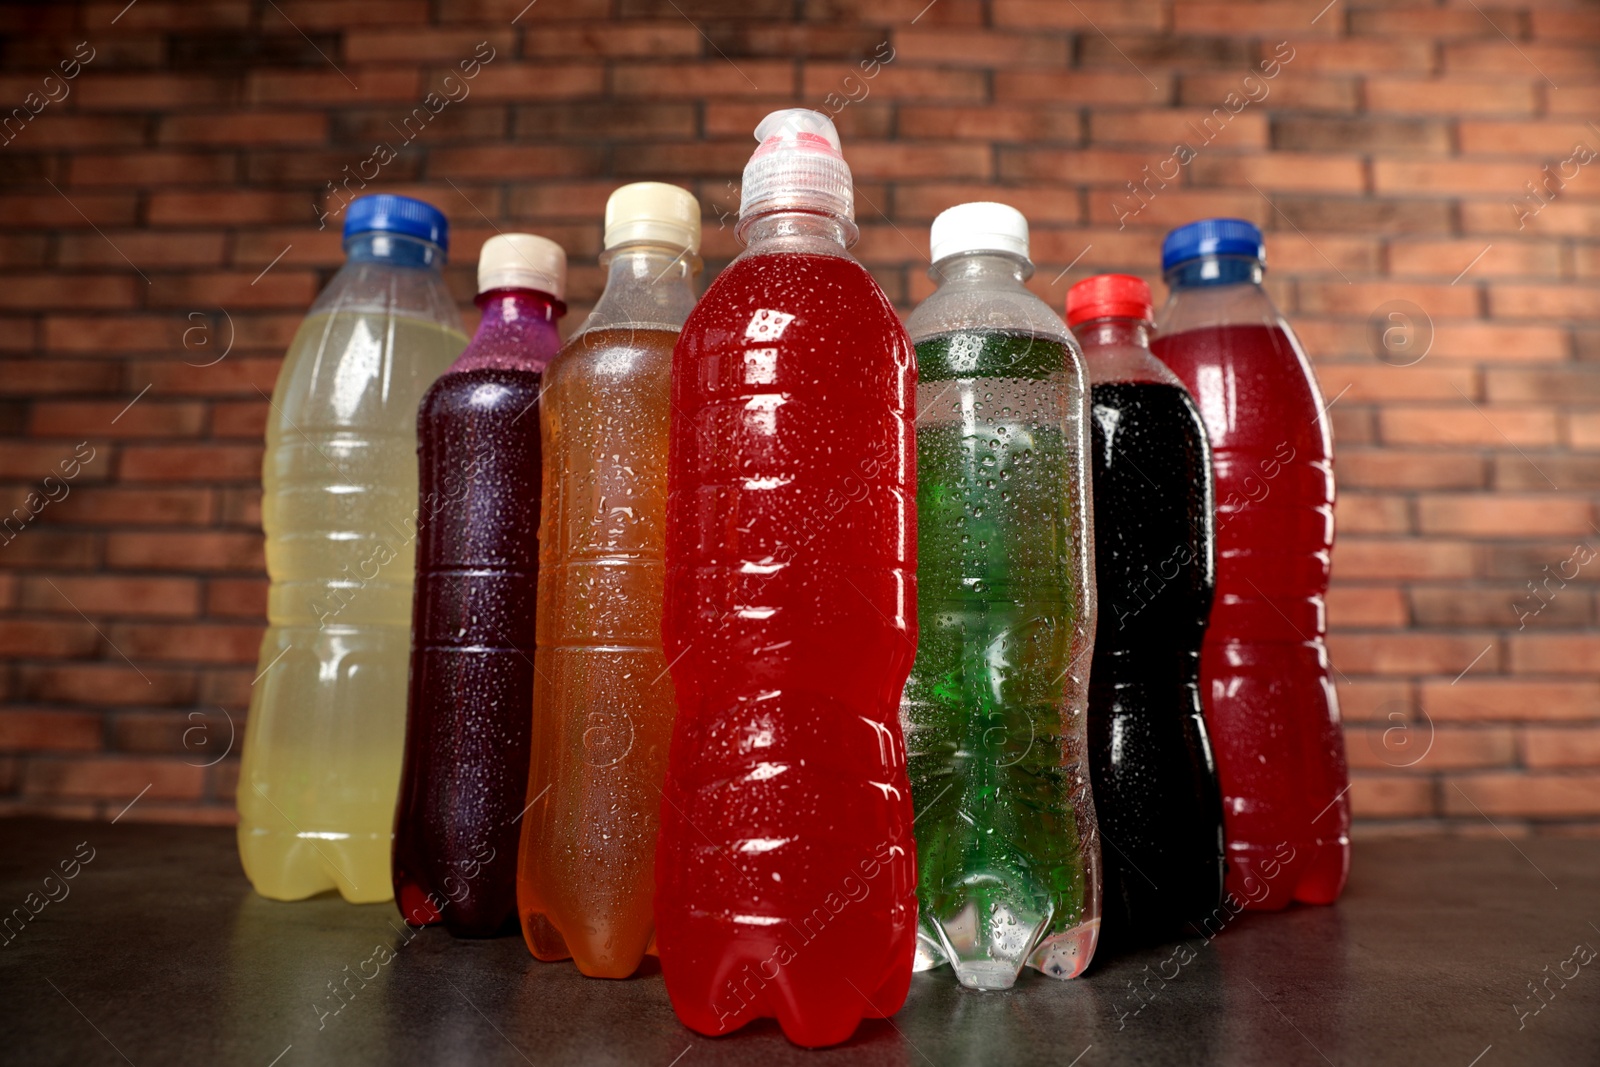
994,712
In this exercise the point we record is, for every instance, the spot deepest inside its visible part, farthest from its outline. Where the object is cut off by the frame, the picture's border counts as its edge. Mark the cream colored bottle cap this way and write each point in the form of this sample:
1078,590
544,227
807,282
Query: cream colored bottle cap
523,261
655,212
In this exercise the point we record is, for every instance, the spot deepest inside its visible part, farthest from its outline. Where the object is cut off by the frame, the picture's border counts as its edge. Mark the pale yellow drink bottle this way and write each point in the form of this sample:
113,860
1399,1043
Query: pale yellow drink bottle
322,750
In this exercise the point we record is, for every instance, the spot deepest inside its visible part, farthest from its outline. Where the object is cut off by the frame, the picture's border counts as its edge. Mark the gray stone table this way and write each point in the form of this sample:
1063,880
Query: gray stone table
1453,952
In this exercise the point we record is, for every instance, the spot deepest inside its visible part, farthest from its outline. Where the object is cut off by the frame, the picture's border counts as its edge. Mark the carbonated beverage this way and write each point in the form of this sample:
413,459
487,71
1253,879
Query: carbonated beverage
1155,781
602,704
994,709
1265,675
785,878
466,757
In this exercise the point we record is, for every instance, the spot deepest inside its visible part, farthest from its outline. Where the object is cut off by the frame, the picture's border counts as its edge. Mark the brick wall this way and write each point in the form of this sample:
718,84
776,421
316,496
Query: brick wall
160,242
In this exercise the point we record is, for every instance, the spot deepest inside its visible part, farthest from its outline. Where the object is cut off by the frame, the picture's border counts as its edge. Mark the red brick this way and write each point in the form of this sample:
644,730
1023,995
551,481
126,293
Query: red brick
244,598
1476,698
1394,743
1102,15
1391,468
364,45
1478,259
1365,606
1201,128
1436,22
962,47
245,128
103,684
1495,426
38,638
108,596
1358,558
1362,56
27,730
1451,96
1293,89
1275,18
1407,653
365,86
112,91
1075,86
1525,138
113,778
1554,653
1390,796
1543,60
144,506
744,77
1281,170
1503,514
1532,796
186,552
121,169
515,161
1560,746
1507,301
208,642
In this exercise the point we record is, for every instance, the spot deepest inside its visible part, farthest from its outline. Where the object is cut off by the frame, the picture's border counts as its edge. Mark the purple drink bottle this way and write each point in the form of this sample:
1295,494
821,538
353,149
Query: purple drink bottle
468,726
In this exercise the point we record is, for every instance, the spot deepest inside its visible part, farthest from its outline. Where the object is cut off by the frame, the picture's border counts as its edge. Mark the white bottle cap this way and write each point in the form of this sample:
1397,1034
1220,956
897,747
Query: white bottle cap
655,212
981,226
523,261
798,166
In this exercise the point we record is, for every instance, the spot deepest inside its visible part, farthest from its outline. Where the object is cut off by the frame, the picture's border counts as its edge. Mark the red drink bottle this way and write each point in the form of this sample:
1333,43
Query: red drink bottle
785,874
468,723
1265,674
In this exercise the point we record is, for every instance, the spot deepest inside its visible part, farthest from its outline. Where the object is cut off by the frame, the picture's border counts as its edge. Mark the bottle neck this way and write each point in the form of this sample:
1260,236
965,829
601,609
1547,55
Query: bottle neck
797,231
1100,333
394,249
517,331
646,285
982,269
1215,270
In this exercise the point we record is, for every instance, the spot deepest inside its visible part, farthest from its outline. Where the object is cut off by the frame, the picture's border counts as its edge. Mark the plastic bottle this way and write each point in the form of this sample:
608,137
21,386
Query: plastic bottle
994,710
322,750
1269,699
1155,781
602,705
467,730
785,878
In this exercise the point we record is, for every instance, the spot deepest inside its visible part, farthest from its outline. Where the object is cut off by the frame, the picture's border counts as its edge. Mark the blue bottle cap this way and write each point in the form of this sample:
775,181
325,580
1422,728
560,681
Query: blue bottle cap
1212,237
388,213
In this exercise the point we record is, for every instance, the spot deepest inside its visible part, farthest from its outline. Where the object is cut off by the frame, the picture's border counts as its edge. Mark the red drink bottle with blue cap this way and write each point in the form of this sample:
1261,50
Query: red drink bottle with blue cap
472,643
1265,673
785,877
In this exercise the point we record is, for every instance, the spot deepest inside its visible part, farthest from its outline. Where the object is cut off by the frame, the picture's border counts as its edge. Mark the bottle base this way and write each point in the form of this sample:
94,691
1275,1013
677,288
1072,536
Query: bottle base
292,867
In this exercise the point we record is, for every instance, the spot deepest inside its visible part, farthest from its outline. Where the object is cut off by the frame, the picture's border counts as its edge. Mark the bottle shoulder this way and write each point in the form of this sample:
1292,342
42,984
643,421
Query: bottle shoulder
1002,308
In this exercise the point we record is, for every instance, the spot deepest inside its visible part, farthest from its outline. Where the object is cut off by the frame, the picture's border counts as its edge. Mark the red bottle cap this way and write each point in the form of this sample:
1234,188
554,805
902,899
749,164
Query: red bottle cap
1109,296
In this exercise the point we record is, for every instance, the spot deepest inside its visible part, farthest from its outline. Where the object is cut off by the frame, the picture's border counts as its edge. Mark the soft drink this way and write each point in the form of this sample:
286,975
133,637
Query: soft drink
466,756
785,878
1265,675
1155,781
322,750
994,709
602,703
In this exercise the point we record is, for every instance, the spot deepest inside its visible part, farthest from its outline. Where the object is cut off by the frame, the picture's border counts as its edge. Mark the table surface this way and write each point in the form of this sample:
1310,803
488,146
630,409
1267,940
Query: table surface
1467,953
